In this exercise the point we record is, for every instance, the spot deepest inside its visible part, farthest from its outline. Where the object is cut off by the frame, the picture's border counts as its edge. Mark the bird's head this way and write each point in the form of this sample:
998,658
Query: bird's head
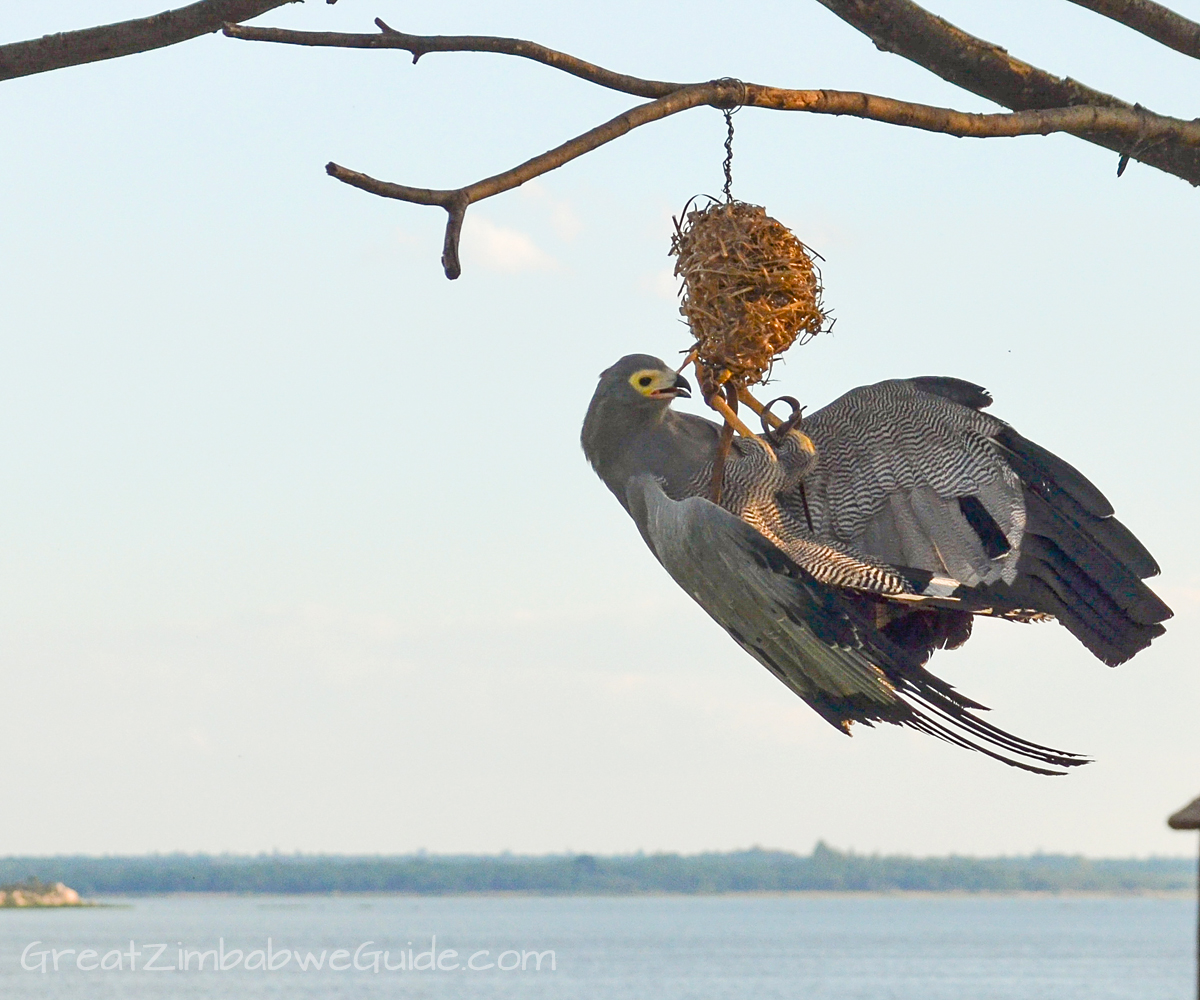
639,380
631,396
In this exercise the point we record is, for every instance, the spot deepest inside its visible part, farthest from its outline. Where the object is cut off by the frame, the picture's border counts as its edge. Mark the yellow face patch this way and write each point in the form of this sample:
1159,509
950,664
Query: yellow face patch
648,381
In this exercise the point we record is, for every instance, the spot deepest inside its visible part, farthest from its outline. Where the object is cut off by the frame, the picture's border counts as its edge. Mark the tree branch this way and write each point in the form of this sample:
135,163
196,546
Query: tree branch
71,48
985,69
1128,126
455,201
1153,20
730,93
418,45
1131,125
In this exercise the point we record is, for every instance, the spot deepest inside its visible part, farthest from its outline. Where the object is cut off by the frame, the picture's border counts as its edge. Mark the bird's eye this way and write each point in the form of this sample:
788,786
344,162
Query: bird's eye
645,380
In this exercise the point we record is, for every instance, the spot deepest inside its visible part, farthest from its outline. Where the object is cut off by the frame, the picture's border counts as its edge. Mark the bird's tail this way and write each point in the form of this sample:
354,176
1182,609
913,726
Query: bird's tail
1078,562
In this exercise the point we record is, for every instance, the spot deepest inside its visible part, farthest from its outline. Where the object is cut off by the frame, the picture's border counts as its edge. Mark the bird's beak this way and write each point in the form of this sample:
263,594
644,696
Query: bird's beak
680,387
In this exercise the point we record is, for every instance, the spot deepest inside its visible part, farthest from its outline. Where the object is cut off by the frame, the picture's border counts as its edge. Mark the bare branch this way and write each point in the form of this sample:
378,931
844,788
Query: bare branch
109,41
985,69
1136,128
726,93
1122,124
1153,20
418,45
455,201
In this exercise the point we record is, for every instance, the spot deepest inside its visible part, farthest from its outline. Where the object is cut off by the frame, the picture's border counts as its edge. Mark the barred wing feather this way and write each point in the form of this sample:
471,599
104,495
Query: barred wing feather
812,636
912,473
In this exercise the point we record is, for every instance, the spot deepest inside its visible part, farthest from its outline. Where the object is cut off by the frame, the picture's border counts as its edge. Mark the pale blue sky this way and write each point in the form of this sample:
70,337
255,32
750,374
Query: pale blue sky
298,548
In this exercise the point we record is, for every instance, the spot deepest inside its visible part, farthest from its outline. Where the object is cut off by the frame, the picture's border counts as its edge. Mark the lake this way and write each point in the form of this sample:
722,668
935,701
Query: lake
606,948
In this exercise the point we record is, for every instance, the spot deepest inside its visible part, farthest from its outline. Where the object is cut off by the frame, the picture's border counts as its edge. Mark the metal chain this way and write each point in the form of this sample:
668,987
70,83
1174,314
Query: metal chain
729,154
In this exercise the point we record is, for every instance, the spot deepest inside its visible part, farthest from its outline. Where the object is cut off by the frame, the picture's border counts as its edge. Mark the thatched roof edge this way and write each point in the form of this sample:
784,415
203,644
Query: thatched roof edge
1188,818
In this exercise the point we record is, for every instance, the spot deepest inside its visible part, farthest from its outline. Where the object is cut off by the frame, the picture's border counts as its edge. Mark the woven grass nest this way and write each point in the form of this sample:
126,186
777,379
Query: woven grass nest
751,290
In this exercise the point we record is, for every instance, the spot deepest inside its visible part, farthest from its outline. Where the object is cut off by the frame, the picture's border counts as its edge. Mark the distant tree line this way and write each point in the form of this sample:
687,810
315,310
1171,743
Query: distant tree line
739,871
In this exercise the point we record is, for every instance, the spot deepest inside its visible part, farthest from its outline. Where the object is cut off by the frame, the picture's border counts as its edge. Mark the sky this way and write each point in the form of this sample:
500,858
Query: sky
298,549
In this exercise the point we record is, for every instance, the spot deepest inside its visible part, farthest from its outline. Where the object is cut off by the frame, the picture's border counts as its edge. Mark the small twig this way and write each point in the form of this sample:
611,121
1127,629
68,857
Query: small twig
419,45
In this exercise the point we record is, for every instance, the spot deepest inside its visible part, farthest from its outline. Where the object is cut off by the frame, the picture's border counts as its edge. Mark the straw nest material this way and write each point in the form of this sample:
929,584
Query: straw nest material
750,290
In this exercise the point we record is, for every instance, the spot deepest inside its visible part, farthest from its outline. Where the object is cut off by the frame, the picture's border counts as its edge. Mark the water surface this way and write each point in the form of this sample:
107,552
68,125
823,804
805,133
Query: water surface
622,948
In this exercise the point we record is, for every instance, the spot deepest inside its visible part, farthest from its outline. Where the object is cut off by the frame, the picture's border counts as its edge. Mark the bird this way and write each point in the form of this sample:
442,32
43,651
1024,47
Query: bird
845,551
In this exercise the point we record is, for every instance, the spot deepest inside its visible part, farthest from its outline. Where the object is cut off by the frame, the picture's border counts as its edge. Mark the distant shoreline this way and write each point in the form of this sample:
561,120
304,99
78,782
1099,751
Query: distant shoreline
116,899
755,871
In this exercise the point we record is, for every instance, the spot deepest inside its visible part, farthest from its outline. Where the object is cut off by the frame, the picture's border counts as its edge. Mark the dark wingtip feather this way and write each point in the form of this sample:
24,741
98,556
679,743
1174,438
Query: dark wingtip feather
934,706
1103,529
1051,470
956,389
922,700
1052,758
1078,562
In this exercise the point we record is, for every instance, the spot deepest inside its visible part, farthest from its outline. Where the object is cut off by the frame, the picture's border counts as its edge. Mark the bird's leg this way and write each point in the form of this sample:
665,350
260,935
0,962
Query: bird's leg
724,399
726,439
717,486
727,408
780,429
714,399
731,418
747,397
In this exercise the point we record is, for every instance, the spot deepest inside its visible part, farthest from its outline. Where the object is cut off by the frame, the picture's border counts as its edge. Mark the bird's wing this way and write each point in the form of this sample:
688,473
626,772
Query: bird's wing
912,473
809,635
912,477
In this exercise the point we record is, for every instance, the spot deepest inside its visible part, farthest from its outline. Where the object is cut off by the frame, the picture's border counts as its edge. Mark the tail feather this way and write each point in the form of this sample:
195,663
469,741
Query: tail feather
1052,539
1110,648
1120,541
1105,531
1078,562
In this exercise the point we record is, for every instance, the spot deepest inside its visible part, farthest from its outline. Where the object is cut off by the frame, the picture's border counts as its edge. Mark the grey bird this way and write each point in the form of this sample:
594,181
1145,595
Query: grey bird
843,554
